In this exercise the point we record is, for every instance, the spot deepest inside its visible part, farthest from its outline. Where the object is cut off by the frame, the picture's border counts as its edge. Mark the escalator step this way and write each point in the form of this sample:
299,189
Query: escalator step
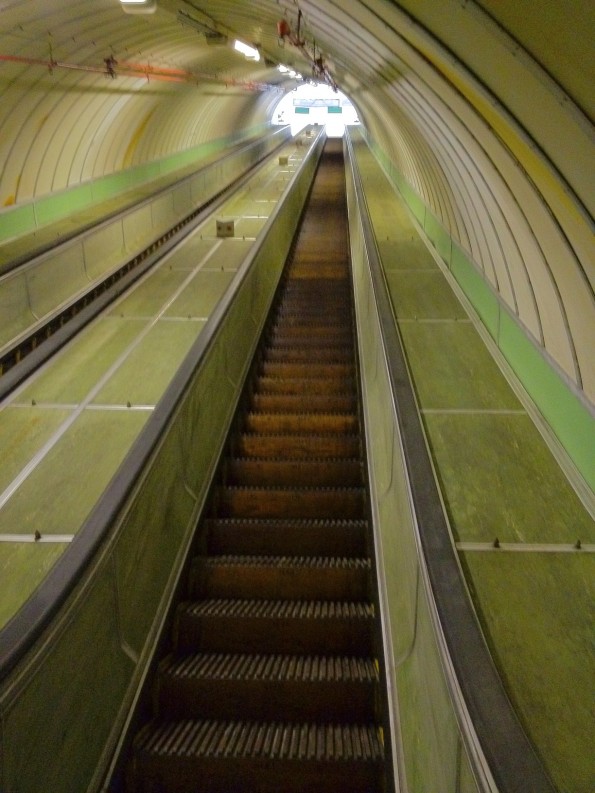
307,537
320,284
307,308
271,684
296,403
309,337
335,354
307,370
264,502
250,472
275,577
317,423
297,446
328,325
265,757
275,626
302,268
301,687
301,385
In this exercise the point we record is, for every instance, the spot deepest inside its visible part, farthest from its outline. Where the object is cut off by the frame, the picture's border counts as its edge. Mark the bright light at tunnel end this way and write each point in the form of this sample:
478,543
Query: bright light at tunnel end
316,104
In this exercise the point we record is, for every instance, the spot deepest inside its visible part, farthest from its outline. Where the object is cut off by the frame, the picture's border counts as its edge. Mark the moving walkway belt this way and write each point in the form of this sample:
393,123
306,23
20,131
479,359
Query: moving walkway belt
273,683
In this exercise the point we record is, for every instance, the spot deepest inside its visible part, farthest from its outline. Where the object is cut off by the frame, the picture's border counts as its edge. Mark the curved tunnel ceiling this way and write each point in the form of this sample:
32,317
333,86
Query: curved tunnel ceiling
483,108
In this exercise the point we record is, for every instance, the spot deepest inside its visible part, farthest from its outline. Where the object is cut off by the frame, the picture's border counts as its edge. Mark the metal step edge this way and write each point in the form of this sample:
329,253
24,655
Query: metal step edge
290,562
302,414
274,609
271,740
314,435
271,667
285,522
302,490
317,460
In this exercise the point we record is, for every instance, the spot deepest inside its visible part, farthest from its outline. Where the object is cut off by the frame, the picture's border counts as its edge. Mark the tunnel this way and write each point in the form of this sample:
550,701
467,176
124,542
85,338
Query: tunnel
152,202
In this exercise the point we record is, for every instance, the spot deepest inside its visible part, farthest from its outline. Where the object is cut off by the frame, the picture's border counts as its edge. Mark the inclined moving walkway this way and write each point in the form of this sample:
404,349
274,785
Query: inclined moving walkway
270,681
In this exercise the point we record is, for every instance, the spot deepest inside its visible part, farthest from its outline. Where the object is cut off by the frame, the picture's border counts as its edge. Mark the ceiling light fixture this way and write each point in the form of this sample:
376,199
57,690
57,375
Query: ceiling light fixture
249,52
138,6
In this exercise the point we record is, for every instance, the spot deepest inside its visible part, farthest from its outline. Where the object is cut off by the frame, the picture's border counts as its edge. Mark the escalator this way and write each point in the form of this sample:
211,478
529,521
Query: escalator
272,682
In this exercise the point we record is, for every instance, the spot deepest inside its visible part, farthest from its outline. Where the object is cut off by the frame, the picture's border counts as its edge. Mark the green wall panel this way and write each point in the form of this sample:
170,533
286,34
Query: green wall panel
62,204
475,288
17,220
150,540
439,236
568,417
414,202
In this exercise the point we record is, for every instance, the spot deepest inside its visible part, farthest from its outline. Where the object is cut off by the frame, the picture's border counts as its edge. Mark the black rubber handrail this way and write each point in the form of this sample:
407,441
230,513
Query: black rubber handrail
511,757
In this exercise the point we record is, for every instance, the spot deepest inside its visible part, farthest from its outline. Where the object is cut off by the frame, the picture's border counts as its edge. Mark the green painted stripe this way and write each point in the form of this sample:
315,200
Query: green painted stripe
26,218
483,300
564,412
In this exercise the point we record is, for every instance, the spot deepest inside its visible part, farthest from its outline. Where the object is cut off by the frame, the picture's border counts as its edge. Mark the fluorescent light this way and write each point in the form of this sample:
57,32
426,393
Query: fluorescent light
249,52
138,6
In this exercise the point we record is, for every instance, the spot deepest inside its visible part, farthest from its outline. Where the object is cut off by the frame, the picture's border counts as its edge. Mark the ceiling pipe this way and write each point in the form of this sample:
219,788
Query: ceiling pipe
319,69
126,69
